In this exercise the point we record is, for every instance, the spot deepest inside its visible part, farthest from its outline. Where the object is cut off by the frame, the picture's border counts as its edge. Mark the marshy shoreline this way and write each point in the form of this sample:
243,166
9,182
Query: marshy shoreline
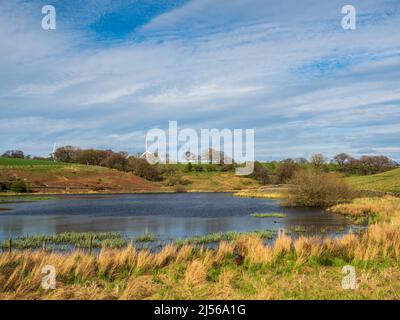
240,268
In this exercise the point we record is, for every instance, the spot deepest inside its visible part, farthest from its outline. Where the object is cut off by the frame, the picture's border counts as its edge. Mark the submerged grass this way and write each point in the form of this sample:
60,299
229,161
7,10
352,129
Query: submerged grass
12,198
268,215
71,240
224,236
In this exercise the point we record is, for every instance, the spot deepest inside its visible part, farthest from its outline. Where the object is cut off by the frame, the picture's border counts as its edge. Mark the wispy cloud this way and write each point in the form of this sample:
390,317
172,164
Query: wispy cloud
287,69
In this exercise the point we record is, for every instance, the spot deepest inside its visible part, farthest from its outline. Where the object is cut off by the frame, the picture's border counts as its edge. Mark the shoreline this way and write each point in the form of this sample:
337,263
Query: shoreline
109,193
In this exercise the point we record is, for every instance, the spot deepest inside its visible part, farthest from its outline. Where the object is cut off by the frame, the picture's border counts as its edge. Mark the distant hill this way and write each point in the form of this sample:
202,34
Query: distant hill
387,182
45,176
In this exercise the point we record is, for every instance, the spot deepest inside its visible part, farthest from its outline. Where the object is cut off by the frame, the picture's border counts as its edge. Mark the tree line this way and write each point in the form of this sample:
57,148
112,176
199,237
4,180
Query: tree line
121,161
280,172
273,172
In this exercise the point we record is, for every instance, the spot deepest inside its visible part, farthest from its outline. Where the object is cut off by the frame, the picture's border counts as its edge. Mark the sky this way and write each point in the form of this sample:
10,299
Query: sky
113,69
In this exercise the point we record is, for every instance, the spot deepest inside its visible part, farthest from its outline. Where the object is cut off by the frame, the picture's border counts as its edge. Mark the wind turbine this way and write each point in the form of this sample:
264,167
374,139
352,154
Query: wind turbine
54,151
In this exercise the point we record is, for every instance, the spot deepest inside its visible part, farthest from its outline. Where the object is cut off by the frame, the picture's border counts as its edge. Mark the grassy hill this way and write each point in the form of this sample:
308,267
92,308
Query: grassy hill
217,181
386,182
45,176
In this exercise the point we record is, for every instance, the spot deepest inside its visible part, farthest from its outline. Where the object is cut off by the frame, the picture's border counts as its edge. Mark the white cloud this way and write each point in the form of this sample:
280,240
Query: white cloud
207,64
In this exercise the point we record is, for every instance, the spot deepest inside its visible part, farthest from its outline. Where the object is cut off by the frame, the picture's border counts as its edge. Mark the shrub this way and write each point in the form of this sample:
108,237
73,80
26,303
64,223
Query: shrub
116,161
285,171
173,181
179,189
142,168
261,173
18,186
3,186
18,154
316,188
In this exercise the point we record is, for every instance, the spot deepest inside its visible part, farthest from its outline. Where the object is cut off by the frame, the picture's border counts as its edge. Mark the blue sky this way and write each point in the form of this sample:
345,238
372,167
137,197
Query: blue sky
115,69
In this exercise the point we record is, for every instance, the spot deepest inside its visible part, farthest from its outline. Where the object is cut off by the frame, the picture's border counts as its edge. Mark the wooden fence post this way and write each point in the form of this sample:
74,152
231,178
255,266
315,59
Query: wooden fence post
90,244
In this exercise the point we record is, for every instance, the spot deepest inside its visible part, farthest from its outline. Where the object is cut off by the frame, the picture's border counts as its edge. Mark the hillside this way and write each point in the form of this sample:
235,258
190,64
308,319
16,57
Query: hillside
55,177
386,182
217,182
44,176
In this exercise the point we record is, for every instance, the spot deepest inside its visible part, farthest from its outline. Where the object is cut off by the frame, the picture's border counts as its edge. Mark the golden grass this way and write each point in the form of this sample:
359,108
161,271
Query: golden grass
385,208
263,195
247,268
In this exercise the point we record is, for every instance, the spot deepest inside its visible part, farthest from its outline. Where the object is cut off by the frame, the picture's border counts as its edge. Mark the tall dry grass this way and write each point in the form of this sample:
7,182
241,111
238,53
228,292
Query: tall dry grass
387,208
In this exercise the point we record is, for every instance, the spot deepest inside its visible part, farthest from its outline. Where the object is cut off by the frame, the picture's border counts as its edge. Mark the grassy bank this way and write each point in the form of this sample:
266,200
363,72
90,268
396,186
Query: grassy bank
211,181
383,182
243,268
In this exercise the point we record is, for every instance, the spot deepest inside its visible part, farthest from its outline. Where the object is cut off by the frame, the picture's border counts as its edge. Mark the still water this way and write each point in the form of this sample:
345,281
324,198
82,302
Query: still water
167,216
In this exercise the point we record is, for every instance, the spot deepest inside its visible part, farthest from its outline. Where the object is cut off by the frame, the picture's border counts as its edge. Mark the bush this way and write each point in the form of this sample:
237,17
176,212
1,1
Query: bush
17,154
180,189
316,188
285,171
3,186
142,168
116,161
175,181
261,173
18,186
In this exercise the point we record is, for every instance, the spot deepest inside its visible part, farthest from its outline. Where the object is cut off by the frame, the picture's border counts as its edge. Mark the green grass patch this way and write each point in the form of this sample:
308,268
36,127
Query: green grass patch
224,236
66,240
28,162
382,182
147,237
13,198
268,215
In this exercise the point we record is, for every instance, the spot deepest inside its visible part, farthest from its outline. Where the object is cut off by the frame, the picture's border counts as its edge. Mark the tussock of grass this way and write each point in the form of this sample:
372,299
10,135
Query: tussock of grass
147,237
268,215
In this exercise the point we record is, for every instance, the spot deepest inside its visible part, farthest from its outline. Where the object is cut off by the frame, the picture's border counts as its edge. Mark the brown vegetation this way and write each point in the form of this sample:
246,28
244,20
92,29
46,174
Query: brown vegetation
76,179
316,188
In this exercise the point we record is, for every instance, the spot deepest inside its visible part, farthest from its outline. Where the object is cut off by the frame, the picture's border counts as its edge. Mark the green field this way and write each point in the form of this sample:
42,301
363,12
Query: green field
28,162
386,182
